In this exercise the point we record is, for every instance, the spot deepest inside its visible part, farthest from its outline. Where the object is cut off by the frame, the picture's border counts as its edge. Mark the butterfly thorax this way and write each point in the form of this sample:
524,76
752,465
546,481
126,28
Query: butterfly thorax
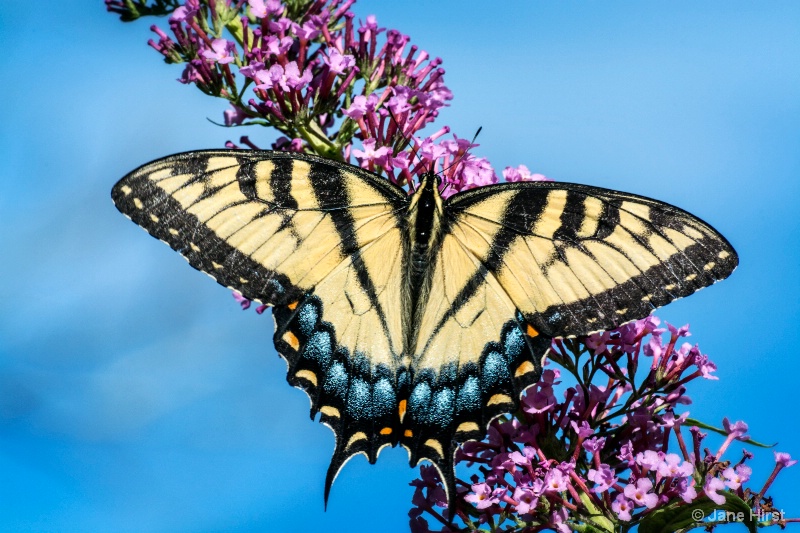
424,229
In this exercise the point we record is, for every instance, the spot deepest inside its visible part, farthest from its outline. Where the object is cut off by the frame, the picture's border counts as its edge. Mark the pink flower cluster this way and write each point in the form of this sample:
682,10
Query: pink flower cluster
332,87
601,454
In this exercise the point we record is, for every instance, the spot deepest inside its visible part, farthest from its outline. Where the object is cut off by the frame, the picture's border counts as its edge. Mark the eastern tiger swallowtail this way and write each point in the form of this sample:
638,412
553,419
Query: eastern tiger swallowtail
413,319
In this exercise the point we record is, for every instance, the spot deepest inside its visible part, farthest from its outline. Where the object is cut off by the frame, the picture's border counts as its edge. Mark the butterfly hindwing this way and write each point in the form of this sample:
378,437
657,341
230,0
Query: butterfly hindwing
474,357
475,353
453,400
355,396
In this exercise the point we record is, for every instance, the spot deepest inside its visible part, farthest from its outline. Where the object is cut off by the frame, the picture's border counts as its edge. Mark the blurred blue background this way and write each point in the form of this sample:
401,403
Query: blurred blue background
135,395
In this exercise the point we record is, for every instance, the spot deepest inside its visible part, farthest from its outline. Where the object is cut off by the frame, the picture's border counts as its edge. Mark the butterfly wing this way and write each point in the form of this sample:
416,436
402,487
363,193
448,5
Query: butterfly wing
522,263
576,259
475,353
320,241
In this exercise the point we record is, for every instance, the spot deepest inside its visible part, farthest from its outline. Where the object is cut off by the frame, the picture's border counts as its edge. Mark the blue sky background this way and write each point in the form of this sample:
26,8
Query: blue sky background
136,396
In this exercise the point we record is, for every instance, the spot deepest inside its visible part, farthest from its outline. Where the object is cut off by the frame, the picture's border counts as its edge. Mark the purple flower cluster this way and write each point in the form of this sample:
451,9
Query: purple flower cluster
607,452
331,86
604,453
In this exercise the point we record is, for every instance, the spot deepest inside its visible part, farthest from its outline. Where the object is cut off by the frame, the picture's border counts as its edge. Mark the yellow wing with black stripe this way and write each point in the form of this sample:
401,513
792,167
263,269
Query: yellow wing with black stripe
322,242
518,264
576,259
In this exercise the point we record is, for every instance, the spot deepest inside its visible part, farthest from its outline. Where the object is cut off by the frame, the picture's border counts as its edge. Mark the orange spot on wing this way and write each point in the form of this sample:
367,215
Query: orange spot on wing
532,331
386,431
408,433
524,368
292,340
401,408
293,306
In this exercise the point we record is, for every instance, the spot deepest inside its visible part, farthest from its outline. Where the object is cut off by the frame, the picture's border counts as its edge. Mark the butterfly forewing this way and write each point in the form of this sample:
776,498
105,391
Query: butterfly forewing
576,259
259,222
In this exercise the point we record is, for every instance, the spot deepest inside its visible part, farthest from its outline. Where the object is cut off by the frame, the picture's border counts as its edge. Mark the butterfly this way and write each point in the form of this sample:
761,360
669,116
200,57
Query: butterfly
415,319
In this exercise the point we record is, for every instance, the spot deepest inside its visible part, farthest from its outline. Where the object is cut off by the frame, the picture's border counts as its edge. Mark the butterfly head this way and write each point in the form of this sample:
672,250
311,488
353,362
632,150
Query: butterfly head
429,192
431,181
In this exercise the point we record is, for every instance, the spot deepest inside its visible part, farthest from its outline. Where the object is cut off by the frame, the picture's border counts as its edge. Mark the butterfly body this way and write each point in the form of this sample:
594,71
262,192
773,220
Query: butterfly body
423,221
415,320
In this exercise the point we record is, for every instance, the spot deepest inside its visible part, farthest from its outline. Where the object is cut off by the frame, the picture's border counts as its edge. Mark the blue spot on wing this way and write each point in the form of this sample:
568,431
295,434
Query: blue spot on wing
336,381
469,396
275,285
419,400
319,348
308,318
384,399
441,412
359,400
513,344
495,370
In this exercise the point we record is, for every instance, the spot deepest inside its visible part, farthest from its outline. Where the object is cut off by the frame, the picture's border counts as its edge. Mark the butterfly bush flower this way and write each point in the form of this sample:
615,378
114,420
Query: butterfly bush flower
342,87
603,441
609,447
623,507
521,173
221,51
